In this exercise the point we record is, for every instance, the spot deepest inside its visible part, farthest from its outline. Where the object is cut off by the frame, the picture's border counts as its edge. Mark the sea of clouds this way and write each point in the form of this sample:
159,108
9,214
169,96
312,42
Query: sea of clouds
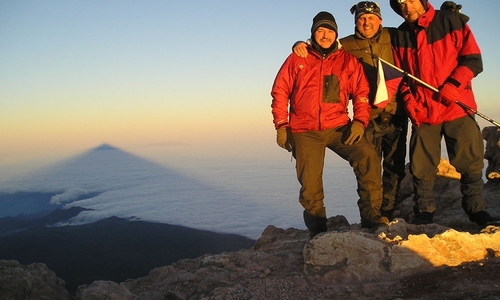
228,195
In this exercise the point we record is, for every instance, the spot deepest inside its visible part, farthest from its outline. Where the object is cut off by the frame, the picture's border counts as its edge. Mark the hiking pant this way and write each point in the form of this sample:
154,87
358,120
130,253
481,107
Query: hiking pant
310,155
389,139
464,144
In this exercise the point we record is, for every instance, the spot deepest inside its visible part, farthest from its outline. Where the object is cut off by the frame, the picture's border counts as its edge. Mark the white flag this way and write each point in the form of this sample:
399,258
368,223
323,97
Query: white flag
382,94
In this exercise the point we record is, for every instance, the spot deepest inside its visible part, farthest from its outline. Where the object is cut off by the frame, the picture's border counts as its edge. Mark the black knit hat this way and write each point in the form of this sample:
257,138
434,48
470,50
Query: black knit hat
365,7
324,19
396,5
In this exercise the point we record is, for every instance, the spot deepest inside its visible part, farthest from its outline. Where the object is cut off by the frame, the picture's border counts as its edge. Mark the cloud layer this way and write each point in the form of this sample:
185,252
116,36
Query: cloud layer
233,197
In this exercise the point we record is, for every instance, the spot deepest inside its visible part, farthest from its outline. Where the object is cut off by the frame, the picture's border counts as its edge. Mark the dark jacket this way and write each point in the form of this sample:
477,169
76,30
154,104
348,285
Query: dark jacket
365,49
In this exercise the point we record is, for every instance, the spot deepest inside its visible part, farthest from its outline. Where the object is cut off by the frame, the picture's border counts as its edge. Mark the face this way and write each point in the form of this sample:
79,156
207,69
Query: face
368,25
412,10
324,37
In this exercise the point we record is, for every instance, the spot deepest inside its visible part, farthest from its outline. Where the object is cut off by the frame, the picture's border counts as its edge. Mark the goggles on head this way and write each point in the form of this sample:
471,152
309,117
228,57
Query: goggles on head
367,7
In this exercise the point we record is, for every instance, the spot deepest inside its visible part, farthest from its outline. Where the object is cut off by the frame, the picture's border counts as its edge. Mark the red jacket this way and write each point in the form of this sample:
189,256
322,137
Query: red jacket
313,93
439,48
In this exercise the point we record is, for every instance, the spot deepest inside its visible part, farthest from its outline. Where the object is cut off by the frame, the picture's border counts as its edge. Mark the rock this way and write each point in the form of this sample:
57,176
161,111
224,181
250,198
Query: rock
395,251
108,290
492,154
343,257
32,282
453,248
445,169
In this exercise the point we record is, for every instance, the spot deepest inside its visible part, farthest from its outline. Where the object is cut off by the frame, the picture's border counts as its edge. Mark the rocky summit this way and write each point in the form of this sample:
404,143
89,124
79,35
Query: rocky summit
452,258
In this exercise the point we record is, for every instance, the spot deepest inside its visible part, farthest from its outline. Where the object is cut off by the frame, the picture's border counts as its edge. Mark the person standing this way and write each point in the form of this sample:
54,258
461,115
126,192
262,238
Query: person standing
388,126
439,48
310,97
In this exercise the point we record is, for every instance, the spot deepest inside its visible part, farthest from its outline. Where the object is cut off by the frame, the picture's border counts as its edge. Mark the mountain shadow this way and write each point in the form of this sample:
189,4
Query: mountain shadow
112,182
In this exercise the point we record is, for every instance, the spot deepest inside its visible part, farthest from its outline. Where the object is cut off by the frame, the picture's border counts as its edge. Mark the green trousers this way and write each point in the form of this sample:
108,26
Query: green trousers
309,152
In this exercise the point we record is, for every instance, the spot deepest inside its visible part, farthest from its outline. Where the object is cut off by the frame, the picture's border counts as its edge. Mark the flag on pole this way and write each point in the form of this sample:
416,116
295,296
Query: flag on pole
388,81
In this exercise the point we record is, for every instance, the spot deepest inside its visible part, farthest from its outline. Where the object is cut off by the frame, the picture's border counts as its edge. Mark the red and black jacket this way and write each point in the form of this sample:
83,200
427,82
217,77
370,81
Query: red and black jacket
438,48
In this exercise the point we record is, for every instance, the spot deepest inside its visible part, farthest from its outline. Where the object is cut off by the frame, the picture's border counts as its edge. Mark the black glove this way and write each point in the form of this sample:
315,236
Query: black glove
284,138
357,130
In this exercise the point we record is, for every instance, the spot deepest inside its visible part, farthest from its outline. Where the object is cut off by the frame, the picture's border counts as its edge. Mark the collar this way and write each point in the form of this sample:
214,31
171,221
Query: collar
325,52
425,20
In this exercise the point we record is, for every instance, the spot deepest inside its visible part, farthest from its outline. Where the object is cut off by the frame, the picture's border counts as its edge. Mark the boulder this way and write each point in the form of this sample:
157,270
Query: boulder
32,282
395,251
100,289
492,153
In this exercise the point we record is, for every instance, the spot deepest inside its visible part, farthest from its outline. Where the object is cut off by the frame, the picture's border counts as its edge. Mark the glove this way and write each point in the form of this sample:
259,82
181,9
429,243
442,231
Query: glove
357,131
411,106
284,138
448,94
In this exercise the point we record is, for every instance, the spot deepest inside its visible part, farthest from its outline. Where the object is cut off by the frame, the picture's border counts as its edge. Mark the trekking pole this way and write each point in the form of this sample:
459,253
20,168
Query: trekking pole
437,91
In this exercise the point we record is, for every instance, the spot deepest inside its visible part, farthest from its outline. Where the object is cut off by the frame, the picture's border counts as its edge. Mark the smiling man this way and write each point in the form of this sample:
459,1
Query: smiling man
388,124
439,47
309,107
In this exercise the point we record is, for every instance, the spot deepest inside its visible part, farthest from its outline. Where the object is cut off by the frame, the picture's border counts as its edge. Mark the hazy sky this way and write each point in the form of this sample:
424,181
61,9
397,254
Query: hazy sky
194,75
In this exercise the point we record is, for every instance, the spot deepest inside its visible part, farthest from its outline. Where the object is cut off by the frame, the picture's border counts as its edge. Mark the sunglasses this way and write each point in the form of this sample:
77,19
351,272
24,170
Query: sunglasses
366,6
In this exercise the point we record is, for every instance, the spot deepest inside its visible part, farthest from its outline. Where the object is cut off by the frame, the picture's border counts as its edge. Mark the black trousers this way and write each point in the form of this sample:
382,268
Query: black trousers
389,140
465,148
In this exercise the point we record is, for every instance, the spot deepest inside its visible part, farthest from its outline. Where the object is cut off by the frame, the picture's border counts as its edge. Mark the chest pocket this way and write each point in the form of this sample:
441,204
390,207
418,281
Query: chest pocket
331,89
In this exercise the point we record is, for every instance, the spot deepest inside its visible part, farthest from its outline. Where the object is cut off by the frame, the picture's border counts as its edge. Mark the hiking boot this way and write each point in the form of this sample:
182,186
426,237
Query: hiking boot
374,221
483,219
315,224
423,218
389,214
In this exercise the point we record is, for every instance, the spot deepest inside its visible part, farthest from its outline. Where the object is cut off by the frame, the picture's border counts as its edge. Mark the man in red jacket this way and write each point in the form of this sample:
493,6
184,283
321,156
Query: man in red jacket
309,107
388,126
439,48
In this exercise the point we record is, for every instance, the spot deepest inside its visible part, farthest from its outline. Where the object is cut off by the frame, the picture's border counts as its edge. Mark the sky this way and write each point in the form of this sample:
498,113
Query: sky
161,77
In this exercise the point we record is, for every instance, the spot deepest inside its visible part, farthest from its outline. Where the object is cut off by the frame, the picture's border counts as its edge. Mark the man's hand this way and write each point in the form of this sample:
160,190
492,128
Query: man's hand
448,94
300,48
284,138
357,131
411,106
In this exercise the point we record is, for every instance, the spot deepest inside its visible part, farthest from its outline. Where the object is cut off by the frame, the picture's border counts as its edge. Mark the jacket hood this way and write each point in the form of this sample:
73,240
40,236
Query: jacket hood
396,6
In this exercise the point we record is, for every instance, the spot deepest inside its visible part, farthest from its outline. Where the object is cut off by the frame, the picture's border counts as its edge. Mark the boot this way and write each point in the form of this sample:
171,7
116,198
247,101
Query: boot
483,219
316,223
371,217
423,218
373,221
389,214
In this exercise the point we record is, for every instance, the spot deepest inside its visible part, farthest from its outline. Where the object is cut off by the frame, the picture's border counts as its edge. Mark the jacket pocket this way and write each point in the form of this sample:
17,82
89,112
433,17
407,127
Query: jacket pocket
331,89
